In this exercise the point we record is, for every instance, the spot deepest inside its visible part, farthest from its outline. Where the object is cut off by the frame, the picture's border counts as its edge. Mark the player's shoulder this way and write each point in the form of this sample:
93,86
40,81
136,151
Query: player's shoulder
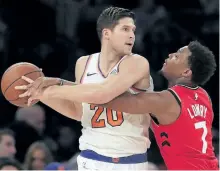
81,64
82,59
134,56
136,59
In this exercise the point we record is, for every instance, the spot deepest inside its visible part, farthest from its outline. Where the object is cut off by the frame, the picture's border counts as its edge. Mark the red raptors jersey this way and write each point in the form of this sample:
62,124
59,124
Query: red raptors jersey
187,143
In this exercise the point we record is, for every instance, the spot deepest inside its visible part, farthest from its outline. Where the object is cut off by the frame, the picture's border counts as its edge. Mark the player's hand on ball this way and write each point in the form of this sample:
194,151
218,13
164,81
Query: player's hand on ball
35,88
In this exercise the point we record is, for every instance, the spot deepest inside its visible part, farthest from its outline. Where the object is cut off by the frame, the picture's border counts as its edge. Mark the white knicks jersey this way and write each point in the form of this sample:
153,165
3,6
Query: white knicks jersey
108,132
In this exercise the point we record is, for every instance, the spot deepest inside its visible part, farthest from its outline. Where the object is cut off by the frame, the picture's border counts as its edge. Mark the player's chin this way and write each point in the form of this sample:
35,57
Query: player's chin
163,70
166,72
127,51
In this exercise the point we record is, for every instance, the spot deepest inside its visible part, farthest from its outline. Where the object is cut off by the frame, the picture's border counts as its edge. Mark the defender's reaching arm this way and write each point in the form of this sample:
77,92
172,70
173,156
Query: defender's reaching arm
156,103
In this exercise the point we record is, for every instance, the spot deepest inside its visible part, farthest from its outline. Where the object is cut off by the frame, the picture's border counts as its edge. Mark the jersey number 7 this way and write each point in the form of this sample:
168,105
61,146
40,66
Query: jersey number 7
100,123
202,125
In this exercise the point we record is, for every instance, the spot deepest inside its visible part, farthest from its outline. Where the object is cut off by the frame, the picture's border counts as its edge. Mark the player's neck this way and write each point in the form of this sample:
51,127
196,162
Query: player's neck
182,82
108,58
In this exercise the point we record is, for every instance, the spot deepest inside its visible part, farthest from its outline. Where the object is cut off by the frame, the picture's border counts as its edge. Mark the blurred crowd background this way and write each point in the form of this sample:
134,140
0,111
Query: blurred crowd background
53,34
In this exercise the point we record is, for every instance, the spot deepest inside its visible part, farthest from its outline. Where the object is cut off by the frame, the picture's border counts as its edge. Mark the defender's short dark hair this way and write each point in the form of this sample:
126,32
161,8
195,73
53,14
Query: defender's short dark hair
109,18
6,132
202,63
4,161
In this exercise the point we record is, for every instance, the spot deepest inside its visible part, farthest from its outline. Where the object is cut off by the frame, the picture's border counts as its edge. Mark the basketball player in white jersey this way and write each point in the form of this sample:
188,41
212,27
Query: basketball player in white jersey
111,140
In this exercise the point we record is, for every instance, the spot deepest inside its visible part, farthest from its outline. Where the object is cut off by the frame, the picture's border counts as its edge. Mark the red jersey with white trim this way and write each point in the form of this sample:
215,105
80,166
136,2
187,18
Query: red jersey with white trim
187,142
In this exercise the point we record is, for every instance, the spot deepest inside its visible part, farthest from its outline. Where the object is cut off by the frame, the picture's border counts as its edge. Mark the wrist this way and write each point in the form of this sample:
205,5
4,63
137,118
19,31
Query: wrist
56,81
47,92
61,82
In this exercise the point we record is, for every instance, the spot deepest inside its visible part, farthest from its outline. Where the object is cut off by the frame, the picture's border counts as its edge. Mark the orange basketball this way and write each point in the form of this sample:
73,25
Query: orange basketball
12,78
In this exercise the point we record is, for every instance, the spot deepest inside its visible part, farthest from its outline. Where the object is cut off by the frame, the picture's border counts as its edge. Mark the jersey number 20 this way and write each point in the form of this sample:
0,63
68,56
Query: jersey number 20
202,125
100,123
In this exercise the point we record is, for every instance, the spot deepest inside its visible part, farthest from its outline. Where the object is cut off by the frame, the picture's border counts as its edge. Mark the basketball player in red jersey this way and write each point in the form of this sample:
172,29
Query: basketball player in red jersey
182,114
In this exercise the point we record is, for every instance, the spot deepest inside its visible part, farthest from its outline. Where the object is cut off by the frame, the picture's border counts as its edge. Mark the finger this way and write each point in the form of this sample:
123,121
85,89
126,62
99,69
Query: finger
24,94
31,91
23,87
29,101
29,86
27,79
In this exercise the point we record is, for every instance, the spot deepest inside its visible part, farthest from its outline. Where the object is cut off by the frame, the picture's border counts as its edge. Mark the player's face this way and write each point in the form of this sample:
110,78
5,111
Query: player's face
176,66
122,37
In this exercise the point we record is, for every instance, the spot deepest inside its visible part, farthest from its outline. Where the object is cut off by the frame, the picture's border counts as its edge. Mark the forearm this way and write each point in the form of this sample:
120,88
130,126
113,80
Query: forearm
60,82
88,93
128,103
65,107
124,103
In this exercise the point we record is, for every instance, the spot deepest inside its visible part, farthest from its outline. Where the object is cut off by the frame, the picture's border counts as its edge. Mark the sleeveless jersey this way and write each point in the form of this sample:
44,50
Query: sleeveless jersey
186,144
108,132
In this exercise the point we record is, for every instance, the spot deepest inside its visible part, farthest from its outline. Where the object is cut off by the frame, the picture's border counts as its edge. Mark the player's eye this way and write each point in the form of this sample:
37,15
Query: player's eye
125,29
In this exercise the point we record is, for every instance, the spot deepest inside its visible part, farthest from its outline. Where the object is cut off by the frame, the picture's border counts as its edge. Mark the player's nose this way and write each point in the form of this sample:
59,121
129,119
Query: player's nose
132,35
170,55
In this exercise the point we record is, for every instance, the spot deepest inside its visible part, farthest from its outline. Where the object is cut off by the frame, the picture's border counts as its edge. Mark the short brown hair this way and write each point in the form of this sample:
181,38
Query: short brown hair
109,18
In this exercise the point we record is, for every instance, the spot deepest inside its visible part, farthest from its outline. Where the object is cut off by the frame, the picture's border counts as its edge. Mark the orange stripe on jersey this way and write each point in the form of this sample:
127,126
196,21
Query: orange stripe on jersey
86,66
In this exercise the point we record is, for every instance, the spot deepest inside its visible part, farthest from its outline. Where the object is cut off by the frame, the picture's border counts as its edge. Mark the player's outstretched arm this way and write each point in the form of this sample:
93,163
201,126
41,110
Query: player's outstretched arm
157,103
65,107
132,69
68,108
